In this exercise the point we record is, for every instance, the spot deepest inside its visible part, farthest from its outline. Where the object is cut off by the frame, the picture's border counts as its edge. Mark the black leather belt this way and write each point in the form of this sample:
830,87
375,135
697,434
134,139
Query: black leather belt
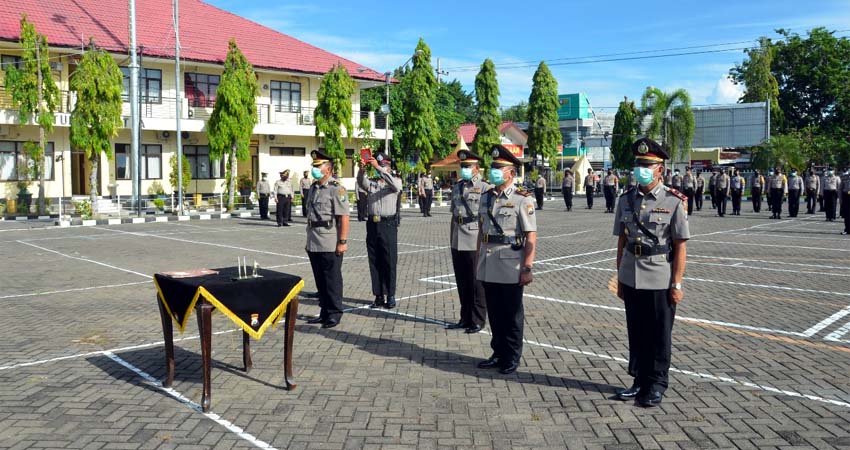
642,249
499,239
320,223
377,219
465,220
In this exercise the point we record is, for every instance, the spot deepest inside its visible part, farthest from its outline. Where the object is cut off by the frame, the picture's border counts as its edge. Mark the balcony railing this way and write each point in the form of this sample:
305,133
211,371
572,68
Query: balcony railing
66,101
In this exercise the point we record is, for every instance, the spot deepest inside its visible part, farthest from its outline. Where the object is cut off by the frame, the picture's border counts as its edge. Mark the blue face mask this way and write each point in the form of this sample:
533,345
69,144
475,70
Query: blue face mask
643,175
497,177
466,173
316,173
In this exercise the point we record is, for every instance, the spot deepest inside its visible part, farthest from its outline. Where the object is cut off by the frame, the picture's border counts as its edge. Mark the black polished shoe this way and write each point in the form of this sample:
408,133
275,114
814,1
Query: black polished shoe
316,320
509,368
650,400
456,326
330,323
473,329
310,295
490,363
391,302
628,393
378,303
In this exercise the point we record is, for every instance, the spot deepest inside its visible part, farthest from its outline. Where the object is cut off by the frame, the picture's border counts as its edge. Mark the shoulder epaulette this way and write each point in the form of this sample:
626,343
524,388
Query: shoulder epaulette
333,182
523,192
678,194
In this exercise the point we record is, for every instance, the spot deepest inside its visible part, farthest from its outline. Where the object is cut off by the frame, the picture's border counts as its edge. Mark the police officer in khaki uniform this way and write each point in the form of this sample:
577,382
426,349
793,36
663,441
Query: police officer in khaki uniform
689,186
327,234
426,193
676,181
812,183
722,185
736,185
465,206
506,248
845,200
540,190
304,185
652,229
778,185
263,192
830,187
756,187
283,199
700,194
567,187
589,187
382,201
610,184
795,187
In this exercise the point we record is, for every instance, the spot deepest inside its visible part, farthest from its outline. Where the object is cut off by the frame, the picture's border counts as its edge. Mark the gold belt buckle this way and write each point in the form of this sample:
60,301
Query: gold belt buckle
376,219
638,250
486,238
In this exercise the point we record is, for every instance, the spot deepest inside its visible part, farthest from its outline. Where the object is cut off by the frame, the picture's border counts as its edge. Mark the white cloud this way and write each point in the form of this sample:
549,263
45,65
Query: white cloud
725,92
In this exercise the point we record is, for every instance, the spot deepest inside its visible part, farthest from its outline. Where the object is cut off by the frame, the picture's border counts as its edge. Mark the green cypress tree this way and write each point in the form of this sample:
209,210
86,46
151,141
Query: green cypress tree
544,134
487,117
231,124
626,128
421,130
96,117
34,91
334,110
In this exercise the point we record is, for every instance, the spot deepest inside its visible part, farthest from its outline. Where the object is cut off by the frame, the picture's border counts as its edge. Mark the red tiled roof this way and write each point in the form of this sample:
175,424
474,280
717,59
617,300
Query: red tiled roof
204,33
468,130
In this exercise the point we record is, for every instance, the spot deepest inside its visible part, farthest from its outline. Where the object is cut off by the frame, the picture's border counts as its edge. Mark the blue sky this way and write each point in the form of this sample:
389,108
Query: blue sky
382,35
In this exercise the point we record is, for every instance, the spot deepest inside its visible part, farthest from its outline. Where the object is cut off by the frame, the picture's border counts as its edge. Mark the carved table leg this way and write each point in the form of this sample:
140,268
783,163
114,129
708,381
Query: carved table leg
204,312
168,335
289,332
246,352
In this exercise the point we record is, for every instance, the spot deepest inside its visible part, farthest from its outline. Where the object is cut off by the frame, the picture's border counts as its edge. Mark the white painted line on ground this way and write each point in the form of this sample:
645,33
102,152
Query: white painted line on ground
795,247
741,265
35,294
827,322
564,235
802,237
837,334
823,266
79,258
182,399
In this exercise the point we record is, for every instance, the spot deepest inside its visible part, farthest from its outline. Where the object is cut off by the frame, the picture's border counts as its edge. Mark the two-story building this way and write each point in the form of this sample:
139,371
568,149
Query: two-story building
289,72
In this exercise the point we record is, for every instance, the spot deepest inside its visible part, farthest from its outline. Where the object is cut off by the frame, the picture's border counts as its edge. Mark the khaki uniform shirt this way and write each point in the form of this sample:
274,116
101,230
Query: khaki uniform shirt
712,182
514,213
327,201
832,183
569,182
589,182
778,182
757,181
283,187
700,184
381,194
812,183
541,183
304,185
688,182
263,187
795,183
722,182
737,182
426,183
633,180
664,215
845,184
465,236
677,182
611,180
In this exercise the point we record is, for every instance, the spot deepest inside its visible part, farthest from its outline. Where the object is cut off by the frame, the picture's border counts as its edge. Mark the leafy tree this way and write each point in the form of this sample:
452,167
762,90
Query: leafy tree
487,117
334,110
516,113
187,172
626,129
759,82
421,131
449,119
34,92
544,133
464,101
235,113
671,118
96,117
781,151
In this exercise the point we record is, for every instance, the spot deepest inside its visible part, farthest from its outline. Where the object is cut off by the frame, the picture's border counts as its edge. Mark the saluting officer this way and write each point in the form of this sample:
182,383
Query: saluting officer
304,185
652,229
795,186
689,185
778,188
506,249
382,196
700,190
327,234
721,192
466,202
756,186
263,192
283,199
812,188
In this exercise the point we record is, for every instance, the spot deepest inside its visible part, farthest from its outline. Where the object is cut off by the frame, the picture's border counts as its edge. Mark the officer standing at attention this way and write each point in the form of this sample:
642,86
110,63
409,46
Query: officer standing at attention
327,234
652,230
737,185
795,187
540,190
721,186
778,188
382,196
609,189
567,186
589,187
756,186
829,190
283,199
676,181
426,193
689,184
812,183
712,188
845,200
506,248
463,232
263,192
668,178
700,190
304,185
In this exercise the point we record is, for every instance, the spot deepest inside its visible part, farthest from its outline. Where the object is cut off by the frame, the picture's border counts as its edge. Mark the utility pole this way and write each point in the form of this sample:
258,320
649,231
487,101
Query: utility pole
440,71
40,128
177,106
134,111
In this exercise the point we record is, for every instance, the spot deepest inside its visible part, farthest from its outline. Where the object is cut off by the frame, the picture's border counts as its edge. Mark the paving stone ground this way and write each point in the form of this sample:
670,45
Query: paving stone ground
761,344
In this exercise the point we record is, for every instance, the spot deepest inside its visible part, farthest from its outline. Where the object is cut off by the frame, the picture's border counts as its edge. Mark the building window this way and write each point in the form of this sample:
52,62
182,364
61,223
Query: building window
150,85
202,167
287,151
123,170
13,160
200,89
10,60
151,162
286,96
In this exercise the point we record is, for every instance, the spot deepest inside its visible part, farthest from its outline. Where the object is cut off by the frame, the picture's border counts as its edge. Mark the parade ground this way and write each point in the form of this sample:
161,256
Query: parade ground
761,343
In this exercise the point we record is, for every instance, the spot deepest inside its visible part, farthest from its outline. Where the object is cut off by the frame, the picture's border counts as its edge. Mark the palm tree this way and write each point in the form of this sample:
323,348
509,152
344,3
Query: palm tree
671,118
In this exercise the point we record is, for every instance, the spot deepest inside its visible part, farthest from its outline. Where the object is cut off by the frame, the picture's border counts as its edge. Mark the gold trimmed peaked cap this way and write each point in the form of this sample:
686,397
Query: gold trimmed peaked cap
646,149
383,158
467,156
320,157
502,157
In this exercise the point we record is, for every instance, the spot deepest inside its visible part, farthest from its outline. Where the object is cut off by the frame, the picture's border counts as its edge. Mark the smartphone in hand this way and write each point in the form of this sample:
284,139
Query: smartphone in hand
365,155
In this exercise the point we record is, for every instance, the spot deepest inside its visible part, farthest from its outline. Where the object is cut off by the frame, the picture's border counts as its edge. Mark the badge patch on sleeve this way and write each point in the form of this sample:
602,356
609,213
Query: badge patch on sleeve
530,210
343,197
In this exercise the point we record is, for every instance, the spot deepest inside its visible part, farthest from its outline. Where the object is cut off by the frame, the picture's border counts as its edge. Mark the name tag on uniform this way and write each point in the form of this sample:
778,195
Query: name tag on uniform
661,210
508,205
476,190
